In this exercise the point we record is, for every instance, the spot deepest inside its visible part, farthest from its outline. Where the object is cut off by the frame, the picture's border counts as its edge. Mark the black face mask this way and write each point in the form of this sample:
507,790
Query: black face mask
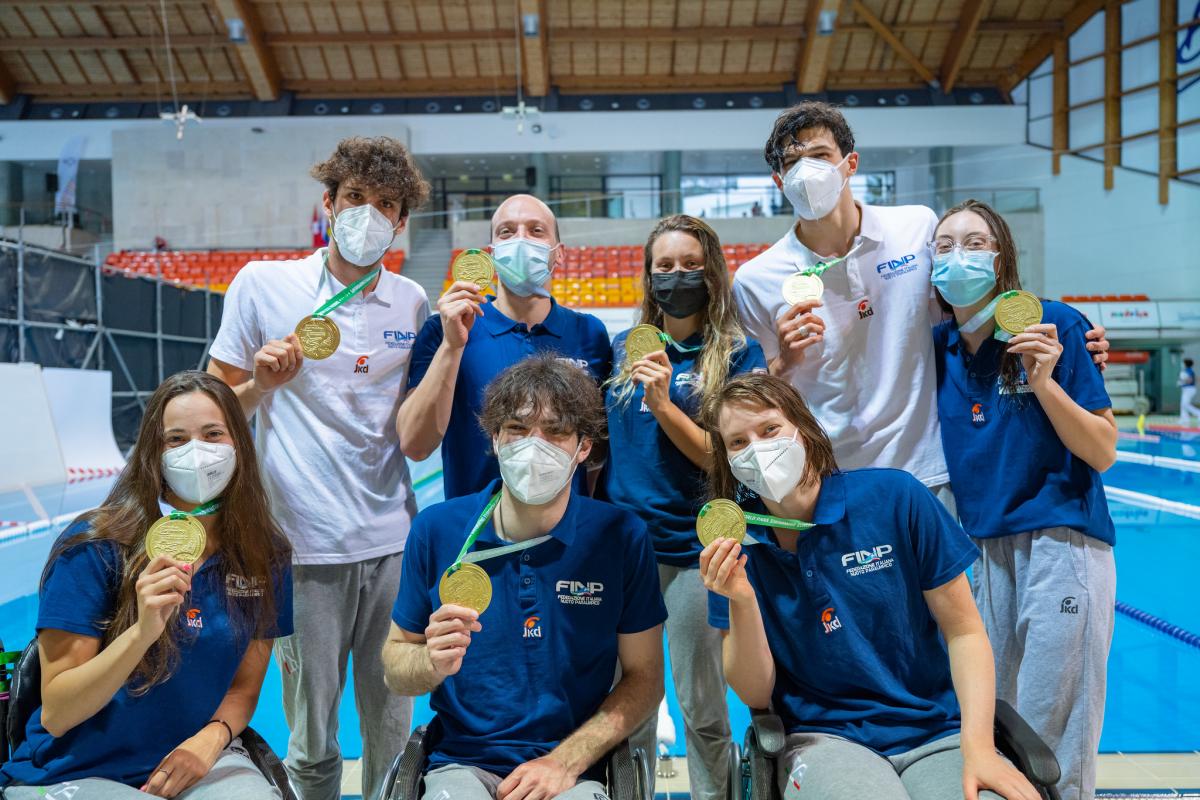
681,293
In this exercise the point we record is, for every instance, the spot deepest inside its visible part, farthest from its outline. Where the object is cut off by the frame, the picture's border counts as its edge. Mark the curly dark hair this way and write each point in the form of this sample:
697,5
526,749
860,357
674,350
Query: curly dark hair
806,115
382,164
548,389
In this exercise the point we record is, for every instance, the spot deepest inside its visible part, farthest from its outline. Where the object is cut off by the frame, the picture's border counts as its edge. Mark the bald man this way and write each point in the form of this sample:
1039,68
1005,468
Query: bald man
473,338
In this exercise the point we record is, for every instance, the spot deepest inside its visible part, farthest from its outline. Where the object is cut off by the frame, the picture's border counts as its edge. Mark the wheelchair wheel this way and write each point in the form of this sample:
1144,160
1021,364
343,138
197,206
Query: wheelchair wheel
761,776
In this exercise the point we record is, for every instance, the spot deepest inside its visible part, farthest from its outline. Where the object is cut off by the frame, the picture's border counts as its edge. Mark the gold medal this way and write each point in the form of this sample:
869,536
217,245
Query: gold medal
468,586
319,337
720,519
1017,310
800,288
643,340
182,539
474,266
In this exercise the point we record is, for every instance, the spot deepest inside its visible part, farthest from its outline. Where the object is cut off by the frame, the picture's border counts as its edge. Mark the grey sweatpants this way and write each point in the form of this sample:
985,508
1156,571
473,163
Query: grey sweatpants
819,766
232,776
340,610
1047,603
694,647
457,782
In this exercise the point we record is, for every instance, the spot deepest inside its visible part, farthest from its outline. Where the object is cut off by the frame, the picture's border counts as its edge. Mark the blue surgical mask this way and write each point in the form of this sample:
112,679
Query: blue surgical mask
523,266
964,277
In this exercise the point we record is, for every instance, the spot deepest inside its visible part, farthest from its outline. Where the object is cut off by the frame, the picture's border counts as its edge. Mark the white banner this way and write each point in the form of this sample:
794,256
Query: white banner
68,169
1179,314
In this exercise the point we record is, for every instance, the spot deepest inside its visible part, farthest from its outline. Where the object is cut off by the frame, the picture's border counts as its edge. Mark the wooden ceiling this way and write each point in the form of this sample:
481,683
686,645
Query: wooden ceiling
65,50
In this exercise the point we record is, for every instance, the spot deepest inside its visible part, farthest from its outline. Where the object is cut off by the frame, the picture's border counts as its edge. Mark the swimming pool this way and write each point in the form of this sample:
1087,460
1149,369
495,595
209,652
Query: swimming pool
1153,694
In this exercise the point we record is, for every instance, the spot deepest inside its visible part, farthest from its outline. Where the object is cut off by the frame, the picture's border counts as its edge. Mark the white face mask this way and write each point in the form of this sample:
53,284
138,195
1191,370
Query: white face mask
813,186
523,265
770,467
199,471
534,470
362,234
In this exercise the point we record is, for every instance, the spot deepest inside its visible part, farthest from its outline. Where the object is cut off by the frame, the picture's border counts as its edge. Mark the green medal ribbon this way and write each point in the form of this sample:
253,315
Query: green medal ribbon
211,507
345,294
778,522
819,268
670,340
464,555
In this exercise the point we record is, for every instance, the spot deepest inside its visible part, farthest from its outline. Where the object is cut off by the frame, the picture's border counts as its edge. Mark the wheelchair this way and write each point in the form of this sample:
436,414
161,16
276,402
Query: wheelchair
755,778
626,774
24,695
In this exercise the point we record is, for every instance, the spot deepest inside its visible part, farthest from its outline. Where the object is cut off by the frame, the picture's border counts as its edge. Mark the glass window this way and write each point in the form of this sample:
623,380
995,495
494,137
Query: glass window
732,196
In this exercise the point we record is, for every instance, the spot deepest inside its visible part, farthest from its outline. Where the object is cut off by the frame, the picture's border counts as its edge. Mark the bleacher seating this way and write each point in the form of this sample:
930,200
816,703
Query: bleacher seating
596,277
212,268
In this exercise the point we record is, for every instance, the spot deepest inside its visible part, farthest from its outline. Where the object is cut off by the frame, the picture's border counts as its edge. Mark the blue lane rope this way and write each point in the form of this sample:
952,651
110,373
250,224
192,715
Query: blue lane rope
1159,624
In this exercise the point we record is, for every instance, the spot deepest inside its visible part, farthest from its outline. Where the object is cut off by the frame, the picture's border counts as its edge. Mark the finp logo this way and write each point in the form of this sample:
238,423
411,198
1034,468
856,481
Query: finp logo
533,628
864,557
830,621
361,366
399,340
864,308
896,263
194,618
579,593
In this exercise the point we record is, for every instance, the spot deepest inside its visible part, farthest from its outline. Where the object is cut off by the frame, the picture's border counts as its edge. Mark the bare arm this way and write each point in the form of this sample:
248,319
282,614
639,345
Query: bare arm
417,663
79,678
1091,436
424,415
629,704
745,652
974,675
276,363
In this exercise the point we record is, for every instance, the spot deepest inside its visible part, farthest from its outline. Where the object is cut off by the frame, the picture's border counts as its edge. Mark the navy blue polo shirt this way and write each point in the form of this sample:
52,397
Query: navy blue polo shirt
1032,480
497,342
545,659
646,472
857,653
128,738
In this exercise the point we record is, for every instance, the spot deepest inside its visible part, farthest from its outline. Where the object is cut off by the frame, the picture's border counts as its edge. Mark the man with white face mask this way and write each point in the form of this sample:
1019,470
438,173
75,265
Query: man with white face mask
521,688
454,358
338,483
842,303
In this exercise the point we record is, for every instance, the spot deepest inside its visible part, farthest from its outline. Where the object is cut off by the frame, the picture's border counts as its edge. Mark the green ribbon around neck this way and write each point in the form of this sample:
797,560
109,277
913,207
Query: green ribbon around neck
465,554
203,510
345,294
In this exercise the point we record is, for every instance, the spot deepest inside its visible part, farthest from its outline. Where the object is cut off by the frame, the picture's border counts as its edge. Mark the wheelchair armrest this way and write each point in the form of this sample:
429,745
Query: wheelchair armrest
1021,745
25,693
267,761
624,765
403,778
768,732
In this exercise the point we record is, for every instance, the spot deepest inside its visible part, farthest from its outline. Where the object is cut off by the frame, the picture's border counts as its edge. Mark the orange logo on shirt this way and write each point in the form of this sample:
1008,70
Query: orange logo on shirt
533,628
194,618
830,621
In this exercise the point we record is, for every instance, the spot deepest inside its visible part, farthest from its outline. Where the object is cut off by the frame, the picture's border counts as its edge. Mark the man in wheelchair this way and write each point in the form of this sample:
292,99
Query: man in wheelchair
836,615
522,686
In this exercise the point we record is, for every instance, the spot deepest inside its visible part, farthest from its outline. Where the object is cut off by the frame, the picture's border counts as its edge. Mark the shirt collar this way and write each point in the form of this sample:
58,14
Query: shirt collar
870,229
831,500
328,285
564,531
497,323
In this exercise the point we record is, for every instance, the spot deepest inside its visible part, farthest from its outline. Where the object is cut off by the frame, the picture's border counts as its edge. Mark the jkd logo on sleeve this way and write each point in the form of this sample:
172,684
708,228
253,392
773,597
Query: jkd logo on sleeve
579,593
861,562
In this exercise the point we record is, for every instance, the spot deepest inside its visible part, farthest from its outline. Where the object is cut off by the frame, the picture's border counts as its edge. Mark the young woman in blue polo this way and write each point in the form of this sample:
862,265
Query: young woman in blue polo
1027,427
851,618
151,666
656,464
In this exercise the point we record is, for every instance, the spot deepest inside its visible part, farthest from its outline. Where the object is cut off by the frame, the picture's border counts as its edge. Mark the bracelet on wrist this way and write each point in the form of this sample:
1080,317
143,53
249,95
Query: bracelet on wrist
228,729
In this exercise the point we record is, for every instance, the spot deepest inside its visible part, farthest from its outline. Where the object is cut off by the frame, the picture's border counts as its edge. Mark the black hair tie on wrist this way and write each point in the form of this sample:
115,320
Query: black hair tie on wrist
228,729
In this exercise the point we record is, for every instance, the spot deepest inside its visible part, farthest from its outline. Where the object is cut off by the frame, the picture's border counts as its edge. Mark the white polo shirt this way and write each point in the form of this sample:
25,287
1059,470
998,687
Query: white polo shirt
326,440
872,381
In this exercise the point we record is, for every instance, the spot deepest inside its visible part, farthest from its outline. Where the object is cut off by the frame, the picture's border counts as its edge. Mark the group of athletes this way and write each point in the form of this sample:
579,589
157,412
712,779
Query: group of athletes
850,389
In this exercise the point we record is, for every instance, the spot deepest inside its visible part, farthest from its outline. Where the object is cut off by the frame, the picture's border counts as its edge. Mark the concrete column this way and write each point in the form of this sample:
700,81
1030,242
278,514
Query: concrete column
672,182
11,192
541,187
941,176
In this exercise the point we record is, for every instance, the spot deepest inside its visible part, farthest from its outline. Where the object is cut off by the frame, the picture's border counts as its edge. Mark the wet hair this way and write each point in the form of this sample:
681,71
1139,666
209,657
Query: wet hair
381,164
806,116
251,544
545,388
1007,279
763,391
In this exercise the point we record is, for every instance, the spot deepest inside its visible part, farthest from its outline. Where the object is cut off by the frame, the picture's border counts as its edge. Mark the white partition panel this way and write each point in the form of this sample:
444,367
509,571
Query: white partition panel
81,406
30,454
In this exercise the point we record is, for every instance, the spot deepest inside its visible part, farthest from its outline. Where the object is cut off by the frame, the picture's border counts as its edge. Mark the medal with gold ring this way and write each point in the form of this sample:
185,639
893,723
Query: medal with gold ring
468,586
641,341
474,266
1017,310
802,287
178,536
720,519
319,337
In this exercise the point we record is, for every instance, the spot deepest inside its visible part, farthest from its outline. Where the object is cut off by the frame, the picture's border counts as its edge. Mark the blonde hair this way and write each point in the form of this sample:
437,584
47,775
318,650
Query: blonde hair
723,334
